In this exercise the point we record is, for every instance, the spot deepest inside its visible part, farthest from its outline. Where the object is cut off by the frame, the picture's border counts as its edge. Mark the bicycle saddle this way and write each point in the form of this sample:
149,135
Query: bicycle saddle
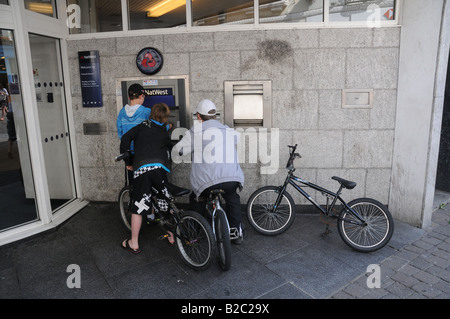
214,192
347,184
177,191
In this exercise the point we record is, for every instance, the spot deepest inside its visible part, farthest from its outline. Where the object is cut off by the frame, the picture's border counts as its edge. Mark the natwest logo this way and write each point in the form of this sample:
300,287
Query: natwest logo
88,57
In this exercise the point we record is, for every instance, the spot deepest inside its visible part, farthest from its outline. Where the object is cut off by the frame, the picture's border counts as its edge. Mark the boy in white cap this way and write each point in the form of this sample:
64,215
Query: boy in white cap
214,162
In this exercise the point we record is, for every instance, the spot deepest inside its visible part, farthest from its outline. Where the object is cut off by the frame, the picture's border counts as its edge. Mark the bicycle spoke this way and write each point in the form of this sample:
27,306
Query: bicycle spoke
194,240
267,218
374,232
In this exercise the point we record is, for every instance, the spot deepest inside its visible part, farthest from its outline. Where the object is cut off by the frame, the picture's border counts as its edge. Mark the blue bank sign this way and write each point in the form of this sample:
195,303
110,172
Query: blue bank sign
91,84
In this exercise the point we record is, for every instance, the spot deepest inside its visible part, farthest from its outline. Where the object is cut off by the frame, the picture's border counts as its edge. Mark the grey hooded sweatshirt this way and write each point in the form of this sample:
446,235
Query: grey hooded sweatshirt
213,149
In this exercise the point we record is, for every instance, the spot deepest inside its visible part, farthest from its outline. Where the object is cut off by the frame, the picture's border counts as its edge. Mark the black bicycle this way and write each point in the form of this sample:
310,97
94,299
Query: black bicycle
194,237
364,224
221,228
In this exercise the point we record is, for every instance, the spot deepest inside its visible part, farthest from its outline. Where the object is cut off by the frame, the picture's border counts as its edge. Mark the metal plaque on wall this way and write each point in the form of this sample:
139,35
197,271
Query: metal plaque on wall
91,84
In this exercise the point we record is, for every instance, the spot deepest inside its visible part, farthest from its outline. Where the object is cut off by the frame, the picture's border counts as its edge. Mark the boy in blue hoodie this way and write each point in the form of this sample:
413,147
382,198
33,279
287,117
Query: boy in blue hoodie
132,114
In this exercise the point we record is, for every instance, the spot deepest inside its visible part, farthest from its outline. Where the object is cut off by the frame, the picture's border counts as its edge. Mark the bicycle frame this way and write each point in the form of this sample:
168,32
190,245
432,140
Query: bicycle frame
294,180
167,223
164,220
216,205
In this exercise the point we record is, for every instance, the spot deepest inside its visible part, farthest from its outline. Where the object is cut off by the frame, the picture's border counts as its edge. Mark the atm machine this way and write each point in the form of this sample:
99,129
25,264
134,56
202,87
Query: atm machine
171,90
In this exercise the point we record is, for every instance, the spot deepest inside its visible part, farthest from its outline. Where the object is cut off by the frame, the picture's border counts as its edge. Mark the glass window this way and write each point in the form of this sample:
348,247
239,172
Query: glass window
4,2
362,10
206,12
276,11
45,7
17,204
85,16
156,14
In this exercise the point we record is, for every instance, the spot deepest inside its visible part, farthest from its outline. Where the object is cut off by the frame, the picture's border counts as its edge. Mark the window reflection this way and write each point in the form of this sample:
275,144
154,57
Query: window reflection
361,10
17,204
276,11
156,14
205,12
86,16
45,7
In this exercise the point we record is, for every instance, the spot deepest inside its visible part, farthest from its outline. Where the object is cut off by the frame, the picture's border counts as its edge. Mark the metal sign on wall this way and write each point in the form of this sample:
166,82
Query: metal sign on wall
149,61
91,84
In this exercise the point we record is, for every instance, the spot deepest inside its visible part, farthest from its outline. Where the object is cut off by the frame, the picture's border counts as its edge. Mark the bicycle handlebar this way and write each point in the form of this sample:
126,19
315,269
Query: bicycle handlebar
292,157
292,152
122,156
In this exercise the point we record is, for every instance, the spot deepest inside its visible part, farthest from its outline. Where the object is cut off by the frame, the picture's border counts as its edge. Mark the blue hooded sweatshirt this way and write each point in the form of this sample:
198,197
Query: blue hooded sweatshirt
130,116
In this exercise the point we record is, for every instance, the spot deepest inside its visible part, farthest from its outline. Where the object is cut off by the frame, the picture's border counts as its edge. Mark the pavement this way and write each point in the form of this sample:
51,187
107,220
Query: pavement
82,259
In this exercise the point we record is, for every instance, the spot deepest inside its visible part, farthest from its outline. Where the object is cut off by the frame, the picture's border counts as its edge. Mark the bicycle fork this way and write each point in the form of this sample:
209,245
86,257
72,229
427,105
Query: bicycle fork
233,231
281,191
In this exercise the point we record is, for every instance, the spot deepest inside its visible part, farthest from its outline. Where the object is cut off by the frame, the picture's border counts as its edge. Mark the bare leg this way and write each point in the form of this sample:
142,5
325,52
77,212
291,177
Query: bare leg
171,239
136,222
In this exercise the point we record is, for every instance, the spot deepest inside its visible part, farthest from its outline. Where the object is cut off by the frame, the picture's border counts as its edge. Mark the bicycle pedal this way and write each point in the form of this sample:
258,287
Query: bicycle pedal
163,236
326,233
234,233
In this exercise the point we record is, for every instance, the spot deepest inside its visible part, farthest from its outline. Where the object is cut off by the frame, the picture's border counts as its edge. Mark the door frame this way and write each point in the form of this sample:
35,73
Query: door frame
22,22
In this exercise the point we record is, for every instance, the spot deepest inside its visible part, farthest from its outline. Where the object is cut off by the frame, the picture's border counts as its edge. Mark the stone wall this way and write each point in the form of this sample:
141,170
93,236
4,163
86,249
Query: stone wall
308,68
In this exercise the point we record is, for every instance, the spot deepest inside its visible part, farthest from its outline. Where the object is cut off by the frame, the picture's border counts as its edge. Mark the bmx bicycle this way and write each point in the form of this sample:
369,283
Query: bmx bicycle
220,227
194,238
364,224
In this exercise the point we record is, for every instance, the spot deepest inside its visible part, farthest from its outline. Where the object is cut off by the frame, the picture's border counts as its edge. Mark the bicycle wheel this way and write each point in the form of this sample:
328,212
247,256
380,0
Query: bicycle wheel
222,230
194,240
125,206
378,229
264,216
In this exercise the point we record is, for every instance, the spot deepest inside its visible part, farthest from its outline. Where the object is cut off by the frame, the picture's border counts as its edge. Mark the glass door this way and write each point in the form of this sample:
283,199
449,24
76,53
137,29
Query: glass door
17,195
51,104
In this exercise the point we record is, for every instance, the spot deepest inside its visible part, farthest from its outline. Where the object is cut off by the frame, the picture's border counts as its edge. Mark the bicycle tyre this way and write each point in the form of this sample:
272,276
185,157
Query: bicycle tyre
125,206
197,250
261,215
377,233
223,239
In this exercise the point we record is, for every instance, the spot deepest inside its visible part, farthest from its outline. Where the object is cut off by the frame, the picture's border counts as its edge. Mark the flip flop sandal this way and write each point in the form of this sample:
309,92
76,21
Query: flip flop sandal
127,247
167,236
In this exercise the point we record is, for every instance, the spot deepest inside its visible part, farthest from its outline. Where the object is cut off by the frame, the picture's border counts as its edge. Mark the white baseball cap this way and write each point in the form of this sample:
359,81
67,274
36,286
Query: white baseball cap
206,107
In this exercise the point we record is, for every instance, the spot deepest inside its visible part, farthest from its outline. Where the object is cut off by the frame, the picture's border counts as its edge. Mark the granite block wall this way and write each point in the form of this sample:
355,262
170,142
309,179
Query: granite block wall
308,68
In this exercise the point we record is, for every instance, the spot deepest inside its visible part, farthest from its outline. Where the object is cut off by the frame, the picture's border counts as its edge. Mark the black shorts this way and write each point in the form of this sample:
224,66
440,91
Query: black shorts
146,183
